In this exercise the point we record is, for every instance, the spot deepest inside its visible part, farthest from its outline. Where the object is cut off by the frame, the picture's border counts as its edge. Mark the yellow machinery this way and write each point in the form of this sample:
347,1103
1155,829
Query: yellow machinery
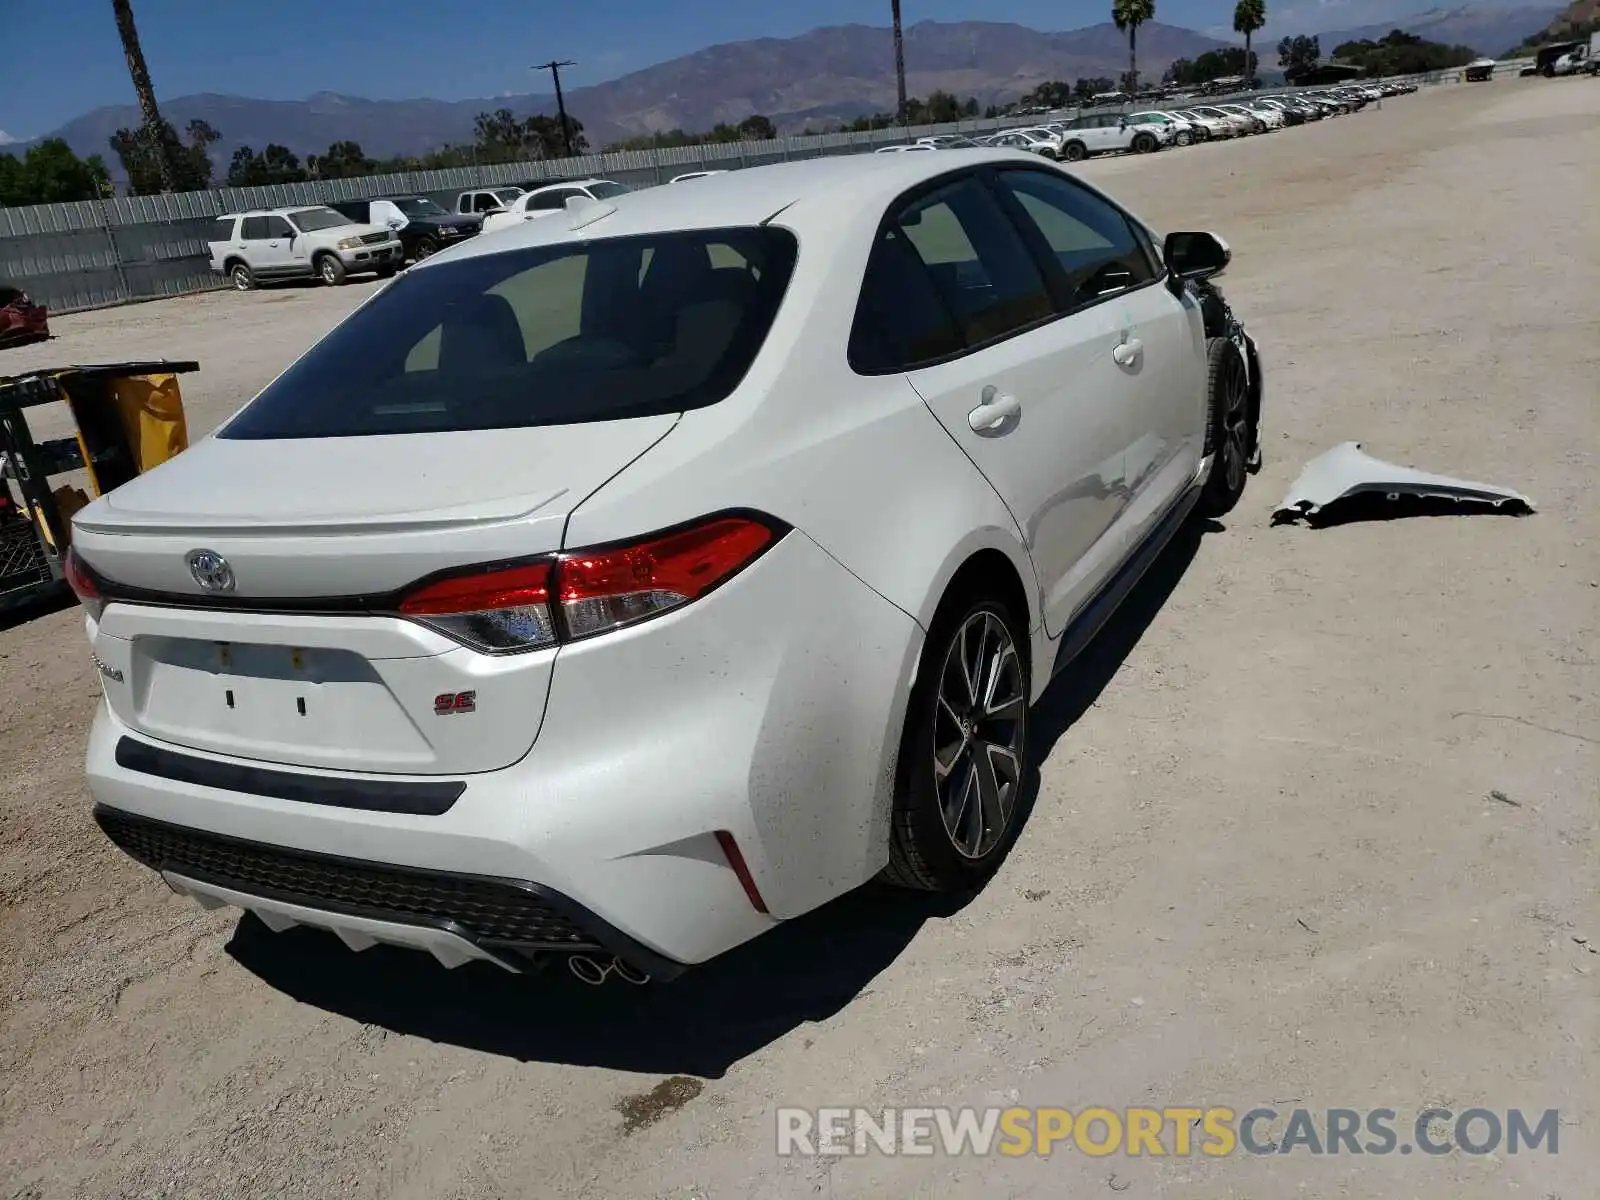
129,419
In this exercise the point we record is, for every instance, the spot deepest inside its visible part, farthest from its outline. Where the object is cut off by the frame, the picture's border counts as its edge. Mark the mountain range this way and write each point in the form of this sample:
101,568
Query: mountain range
1486,30
833,73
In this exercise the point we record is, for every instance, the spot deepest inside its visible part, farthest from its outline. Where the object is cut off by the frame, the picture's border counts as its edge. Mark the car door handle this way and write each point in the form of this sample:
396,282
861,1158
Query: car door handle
1127,353
997,408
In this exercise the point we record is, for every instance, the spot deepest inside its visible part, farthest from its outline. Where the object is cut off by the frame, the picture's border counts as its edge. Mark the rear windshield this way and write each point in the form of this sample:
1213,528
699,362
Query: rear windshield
550,335
605,189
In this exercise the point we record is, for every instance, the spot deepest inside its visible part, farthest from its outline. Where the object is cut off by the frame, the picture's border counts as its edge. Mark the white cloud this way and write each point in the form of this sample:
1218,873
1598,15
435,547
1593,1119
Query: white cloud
6,139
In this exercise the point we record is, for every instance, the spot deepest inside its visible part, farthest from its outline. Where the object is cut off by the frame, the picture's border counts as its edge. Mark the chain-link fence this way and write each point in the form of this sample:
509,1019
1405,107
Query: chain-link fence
93,253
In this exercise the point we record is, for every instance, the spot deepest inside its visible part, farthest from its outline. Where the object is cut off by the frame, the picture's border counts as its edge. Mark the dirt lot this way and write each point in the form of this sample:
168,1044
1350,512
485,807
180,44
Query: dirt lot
1266,865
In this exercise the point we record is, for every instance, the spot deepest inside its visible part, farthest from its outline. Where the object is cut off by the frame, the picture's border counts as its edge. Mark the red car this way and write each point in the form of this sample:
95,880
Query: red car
21,320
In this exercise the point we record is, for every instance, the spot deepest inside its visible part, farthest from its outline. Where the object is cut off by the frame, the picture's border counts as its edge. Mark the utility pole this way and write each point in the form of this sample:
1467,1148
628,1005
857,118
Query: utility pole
554,67
899,64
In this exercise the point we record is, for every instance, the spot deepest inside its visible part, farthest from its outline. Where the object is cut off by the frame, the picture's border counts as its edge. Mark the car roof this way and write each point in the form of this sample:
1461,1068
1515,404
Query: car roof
818,196
280,211
567,183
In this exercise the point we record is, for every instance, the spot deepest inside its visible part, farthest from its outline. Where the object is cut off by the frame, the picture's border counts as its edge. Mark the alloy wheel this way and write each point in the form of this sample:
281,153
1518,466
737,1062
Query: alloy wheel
1235,447
979,727
330,273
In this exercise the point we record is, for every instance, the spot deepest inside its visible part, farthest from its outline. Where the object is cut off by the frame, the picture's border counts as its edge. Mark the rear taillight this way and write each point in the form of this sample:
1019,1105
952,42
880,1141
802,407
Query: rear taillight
497,611
82,584
608,588
503,610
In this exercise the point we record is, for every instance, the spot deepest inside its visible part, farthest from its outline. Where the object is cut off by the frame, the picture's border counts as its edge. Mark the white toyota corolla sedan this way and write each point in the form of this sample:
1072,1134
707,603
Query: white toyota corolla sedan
616,588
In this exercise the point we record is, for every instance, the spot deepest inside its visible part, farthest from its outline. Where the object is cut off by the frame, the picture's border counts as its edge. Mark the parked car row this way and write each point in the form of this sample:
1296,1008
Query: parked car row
332,242
1090,133
381,234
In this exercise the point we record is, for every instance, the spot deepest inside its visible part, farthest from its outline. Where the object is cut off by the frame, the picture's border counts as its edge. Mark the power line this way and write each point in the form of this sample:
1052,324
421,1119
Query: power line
554,67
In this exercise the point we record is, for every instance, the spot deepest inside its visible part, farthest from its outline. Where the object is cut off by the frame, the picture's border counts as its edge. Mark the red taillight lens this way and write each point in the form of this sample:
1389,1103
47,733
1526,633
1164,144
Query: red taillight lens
509,609
608,588
82,584
496,611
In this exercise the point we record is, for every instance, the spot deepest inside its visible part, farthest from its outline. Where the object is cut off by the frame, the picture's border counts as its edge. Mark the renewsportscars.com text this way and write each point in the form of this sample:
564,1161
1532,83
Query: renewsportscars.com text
1160,1132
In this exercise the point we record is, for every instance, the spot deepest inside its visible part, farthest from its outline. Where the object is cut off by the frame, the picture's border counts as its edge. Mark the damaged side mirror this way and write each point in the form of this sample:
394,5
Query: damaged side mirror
1195,256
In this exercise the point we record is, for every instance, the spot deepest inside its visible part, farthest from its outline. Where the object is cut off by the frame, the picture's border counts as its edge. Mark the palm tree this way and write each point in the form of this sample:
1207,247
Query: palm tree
899,64
1249,16
142,87
1128,15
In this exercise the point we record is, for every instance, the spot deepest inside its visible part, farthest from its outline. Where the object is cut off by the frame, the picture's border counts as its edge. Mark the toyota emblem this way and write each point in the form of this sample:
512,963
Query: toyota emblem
211,571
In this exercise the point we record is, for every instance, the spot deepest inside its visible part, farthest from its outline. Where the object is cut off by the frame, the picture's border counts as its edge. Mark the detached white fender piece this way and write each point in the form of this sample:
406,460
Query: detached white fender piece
1347,471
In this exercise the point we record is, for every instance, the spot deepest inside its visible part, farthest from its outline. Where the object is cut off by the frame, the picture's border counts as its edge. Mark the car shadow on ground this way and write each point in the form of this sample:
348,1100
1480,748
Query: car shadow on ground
807,969
43,603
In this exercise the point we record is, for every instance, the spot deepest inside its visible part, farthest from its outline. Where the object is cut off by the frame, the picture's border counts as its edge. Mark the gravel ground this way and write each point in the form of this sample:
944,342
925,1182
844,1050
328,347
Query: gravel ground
1317,825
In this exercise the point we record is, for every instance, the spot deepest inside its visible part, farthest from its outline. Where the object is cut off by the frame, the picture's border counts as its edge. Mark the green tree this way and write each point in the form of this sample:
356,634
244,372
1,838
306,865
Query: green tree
1401,53
1085,88
1213,64
342,160
757,128
1249,16
50,173
500,137
1053,93
1127,16
275,164
1299,53
160,161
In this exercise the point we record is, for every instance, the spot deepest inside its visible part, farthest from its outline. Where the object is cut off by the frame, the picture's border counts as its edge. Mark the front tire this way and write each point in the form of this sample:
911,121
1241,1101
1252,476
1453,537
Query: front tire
423,248
330,270
964,753
1144,143
1183,138
1230,428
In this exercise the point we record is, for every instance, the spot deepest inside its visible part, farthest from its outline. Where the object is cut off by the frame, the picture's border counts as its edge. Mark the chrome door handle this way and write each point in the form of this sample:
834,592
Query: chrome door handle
996,409
1127,353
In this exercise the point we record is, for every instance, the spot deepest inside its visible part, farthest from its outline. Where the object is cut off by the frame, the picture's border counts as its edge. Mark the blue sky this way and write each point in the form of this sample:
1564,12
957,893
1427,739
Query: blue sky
60,58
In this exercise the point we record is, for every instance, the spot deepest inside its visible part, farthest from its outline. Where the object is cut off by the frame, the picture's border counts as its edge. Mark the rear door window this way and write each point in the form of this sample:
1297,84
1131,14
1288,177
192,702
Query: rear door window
978,261
601,330
255,229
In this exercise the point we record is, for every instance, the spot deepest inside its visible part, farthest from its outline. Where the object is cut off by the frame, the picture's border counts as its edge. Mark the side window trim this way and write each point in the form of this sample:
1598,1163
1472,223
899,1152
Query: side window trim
1049,266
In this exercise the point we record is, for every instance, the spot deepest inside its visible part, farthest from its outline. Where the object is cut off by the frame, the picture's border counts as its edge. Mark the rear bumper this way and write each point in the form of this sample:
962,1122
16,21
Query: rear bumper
771,710
455,917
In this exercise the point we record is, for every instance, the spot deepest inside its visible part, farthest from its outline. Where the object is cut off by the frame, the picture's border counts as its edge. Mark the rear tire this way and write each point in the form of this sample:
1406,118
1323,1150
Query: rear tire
1230,428
1074,152
242,277
330,270
964,752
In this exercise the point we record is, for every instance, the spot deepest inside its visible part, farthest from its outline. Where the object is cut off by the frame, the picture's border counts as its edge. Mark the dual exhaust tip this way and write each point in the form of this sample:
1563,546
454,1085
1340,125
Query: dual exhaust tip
595,971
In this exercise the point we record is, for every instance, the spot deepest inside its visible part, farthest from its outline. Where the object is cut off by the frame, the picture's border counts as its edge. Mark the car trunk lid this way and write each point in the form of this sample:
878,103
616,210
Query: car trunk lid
301,662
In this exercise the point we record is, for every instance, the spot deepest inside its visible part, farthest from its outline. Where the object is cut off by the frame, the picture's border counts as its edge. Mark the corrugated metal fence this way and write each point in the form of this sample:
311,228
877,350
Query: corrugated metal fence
93,253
